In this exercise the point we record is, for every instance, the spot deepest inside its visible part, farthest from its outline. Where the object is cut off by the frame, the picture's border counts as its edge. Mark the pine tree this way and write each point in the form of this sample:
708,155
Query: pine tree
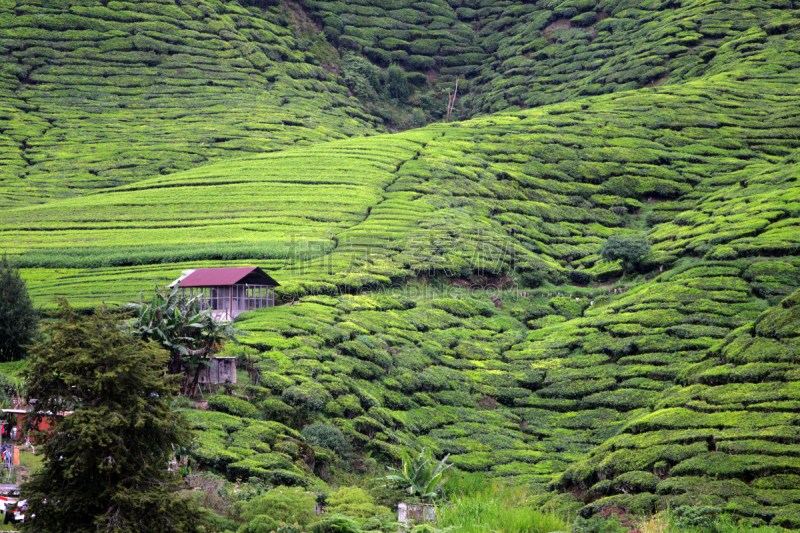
18,318
105,465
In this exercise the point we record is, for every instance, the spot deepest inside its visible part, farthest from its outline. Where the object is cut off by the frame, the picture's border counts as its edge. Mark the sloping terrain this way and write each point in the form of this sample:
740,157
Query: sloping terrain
547,381
443,285
674,391
530,195
512,55
727,438
724,434
97,94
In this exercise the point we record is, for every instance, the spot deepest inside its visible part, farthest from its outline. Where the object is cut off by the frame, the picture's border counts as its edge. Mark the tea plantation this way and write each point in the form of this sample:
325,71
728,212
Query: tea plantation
98,94
725,435
442,287
529,195
518,55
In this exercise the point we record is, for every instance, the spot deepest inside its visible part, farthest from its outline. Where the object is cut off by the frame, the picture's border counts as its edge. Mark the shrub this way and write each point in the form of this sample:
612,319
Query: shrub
333,22
274,382
631,250
259,524
686,517
420,62
581,277
327,436
282,504
396,83
272,468
474,461
214,522
382,57
417,79
584,19
336,523
306,398
598,524
634,481
532,277
355,502
233,406
277,410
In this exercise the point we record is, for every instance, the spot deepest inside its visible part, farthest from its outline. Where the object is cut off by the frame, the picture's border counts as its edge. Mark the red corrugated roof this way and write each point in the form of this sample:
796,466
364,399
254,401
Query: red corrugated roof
214,277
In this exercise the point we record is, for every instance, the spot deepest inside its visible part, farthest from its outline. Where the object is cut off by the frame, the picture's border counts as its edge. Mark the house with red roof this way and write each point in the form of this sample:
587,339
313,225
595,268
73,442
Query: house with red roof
229,292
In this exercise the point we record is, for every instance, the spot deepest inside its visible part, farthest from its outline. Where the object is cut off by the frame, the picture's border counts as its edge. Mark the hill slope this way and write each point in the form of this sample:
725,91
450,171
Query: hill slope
97,94
530,195
518,55
526,356
728,438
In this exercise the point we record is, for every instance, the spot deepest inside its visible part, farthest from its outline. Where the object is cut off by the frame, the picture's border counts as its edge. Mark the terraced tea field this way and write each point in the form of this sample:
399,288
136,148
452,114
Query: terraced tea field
577,390
515,56
528,194
94,95
443,286
282,209
727,438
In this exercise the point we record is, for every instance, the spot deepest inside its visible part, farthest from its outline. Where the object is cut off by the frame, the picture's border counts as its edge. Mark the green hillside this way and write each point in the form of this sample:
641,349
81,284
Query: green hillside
727,437
519,55
441,286
530,195
98,94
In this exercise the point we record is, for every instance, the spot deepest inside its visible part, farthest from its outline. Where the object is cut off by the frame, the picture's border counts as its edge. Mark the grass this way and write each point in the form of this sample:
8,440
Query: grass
29,460
501,508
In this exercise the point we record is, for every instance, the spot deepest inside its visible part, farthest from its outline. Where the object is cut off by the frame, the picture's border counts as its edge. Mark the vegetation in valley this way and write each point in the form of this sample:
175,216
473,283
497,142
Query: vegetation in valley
574,307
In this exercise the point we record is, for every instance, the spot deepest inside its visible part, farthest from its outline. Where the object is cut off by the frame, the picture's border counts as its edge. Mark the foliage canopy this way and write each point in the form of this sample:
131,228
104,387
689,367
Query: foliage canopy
18,318
281,504
631,250
419,476
105,466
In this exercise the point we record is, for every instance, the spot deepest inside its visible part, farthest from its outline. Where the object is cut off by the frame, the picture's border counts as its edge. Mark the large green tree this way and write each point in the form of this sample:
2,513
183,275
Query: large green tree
630,250
18,318
106,464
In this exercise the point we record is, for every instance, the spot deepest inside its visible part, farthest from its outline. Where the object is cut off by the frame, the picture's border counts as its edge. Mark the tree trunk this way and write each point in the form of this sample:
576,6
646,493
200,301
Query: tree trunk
195,381
191,389
175,363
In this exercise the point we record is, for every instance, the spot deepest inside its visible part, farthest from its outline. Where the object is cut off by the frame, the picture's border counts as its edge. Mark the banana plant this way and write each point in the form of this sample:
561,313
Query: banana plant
178,323
181,458
419,476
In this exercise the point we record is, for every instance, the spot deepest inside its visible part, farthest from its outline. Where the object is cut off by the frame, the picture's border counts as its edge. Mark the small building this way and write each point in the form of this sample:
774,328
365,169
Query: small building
22,412
229,292
221,370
